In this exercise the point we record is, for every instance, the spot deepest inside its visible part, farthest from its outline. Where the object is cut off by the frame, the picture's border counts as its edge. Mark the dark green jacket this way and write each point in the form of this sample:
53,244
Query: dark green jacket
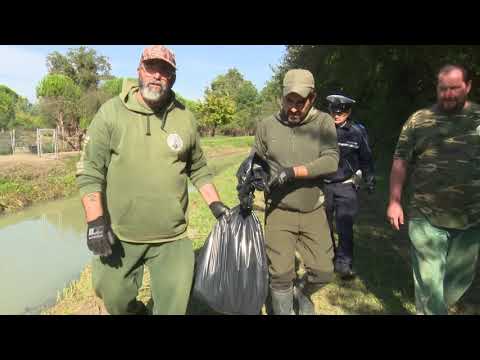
312,143
141,160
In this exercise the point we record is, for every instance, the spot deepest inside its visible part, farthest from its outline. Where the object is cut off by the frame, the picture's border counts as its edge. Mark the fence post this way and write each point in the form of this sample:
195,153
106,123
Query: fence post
55,144
38,143
13,141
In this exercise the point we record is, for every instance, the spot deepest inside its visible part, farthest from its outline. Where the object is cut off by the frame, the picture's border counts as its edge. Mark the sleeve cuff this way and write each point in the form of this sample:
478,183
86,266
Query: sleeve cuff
88,189
203,181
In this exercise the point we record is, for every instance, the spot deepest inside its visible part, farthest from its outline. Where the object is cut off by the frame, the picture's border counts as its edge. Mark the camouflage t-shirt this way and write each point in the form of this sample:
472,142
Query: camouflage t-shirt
443,153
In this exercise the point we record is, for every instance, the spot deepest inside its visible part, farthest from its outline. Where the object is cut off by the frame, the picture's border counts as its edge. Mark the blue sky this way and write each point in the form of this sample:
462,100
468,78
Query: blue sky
22,67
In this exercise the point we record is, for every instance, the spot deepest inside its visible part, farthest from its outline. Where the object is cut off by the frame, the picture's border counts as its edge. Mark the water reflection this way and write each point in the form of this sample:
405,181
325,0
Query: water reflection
42,249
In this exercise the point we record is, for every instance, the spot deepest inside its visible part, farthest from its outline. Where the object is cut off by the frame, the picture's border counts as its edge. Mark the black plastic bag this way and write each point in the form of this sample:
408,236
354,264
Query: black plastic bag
231,271
251,175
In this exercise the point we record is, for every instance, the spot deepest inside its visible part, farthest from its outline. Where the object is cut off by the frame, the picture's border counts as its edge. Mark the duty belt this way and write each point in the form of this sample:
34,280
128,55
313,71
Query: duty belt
350,180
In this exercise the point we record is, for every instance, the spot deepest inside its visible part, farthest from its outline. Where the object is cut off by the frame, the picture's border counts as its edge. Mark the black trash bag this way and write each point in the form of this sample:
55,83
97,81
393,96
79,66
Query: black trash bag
231,272
251,175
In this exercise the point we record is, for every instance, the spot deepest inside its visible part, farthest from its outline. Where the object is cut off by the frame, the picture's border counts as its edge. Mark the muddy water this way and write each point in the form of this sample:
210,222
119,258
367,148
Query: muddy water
42,249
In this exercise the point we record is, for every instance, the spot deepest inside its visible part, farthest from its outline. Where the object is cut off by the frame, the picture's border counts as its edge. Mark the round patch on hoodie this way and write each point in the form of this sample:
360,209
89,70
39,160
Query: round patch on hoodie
175,142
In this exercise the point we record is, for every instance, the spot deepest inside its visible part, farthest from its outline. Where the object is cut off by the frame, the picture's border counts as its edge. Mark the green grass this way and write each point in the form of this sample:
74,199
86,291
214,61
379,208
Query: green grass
22,186
227,141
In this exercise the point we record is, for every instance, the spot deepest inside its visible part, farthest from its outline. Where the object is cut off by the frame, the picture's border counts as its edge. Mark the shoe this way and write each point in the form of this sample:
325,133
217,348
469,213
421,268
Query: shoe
344,270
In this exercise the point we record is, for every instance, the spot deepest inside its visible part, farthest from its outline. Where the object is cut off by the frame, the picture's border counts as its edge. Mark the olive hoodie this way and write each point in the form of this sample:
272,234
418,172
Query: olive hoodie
312,143
140,160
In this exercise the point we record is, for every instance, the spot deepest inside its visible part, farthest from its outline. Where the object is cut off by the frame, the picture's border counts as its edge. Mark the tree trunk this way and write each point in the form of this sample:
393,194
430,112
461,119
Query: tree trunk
61,127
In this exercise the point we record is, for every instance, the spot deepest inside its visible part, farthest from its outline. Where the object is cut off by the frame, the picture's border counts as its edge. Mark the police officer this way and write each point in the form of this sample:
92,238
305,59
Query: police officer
341,188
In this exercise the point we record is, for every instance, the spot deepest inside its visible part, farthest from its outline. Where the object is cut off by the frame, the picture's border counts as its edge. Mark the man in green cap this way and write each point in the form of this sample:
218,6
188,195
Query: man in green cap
299,144
138,153
439,147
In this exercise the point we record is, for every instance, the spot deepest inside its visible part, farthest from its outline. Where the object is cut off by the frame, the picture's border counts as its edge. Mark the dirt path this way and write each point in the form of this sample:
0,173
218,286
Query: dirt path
8,162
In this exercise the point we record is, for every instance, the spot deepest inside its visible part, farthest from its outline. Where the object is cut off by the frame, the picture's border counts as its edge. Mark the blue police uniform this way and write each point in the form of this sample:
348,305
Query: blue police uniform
341,188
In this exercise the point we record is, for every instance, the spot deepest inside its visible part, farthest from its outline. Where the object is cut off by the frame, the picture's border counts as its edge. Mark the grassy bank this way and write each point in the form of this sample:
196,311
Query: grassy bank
25,183
28,180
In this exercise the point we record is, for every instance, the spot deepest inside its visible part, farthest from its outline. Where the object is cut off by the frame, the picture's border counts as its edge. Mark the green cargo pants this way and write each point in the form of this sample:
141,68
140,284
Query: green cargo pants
444,263
308,233
118,278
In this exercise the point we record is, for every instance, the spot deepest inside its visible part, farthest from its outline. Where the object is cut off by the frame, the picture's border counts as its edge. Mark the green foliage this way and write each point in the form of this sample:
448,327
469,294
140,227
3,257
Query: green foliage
59,99
245,96
8,99
88,105
58,86
112,87
388,82
28,120
69,95
217,111
16,111
83,65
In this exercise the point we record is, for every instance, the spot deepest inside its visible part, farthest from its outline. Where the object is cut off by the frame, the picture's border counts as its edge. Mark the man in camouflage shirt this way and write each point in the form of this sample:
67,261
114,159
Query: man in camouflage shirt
439,148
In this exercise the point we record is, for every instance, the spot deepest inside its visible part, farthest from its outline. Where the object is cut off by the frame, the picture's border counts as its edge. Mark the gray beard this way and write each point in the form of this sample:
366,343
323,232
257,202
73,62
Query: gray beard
151,96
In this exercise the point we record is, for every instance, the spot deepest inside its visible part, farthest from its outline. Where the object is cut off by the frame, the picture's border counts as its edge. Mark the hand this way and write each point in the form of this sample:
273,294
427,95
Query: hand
99,237
371,182
219,209
283,176
395,214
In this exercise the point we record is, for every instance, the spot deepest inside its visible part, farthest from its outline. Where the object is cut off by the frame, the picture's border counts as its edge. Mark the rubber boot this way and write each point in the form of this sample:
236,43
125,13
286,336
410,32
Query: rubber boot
282,301
305,305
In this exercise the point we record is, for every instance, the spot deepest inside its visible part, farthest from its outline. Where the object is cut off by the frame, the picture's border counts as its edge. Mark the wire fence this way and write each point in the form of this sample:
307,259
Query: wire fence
41,142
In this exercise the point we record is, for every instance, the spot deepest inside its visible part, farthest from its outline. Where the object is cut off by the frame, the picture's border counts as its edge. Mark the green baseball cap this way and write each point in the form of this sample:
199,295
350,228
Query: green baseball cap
298,81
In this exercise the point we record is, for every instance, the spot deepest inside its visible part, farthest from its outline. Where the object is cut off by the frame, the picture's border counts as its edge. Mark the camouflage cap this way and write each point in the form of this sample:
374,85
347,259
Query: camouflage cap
159,52
298,81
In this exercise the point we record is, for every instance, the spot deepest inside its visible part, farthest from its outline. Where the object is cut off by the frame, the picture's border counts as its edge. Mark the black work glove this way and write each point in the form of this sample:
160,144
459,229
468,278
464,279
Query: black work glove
100,237
219,209
370,181
282,177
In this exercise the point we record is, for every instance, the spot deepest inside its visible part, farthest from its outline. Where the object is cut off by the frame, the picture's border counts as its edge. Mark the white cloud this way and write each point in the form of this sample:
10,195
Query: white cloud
21,69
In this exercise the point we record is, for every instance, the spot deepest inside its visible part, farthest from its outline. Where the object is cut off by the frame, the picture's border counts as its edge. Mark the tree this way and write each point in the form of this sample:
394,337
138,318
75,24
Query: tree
8,99
83,65
216,111
59,100
388,82
245,96
112,87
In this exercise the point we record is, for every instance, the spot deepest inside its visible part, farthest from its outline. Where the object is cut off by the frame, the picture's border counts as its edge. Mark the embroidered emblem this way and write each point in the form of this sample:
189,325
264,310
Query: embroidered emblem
175,142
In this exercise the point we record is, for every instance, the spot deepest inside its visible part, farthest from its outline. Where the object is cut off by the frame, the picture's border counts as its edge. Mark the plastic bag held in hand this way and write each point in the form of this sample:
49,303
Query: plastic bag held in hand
231,270
251,175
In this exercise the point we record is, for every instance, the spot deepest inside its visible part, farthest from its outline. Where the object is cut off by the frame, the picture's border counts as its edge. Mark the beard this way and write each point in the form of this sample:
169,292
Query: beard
294,119
154,96
453,105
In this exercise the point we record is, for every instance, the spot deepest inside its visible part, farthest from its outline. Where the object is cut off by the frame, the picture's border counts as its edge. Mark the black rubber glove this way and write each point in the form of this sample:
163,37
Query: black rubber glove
283,176
370,181
99,237
219,209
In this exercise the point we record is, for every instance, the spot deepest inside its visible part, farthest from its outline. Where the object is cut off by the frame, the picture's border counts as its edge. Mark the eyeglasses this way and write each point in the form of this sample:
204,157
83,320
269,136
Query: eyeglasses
160,67
299,104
